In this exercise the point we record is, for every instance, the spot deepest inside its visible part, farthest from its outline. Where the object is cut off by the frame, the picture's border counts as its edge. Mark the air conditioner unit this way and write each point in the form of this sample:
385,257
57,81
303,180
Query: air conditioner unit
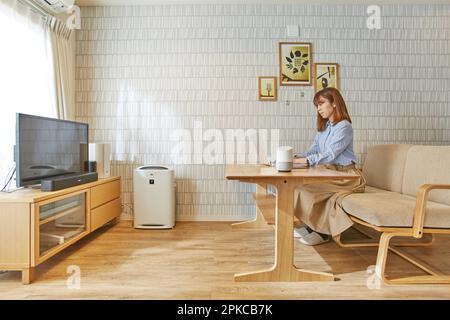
54,6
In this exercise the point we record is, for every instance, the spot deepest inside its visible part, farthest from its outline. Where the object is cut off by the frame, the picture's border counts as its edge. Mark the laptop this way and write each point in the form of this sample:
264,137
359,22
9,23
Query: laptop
264,159
300,166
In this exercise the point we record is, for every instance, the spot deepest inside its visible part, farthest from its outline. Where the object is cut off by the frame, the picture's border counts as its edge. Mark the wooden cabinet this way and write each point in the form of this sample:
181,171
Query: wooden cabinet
58,222
104,213
104,193
36,225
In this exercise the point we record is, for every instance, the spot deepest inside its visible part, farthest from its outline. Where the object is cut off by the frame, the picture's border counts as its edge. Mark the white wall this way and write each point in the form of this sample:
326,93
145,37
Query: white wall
144,71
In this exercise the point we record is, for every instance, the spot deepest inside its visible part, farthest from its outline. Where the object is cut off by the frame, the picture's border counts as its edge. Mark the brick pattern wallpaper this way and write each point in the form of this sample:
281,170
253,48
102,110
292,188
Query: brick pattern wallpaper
143,72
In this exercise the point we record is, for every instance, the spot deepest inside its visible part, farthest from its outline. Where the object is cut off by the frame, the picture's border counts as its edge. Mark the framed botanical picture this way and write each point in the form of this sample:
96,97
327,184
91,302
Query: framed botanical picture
326,75
267,88
295,61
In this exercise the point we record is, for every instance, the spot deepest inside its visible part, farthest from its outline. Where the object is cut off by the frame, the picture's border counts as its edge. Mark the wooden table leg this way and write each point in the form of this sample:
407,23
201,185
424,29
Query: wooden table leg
259,221
27,275
284,268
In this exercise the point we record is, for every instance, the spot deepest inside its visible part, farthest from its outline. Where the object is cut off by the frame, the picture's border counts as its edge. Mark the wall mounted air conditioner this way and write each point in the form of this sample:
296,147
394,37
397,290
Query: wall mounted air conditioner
54,6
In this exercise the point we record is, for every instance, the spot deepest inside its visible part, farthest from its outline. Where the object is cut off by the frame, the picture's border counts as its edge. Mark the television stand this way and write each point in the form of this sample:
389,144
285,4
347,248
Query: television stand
36,225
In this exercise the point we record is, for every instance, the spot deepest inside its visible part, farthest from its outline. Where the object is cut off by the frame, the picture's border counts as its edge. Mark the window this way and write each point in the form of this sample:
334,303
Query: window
26,76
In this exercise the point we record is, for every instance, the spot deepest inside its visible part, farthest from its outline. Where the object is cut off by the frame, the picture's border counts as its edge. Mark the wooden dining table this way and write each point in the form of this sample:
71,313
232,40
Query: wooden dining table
285,183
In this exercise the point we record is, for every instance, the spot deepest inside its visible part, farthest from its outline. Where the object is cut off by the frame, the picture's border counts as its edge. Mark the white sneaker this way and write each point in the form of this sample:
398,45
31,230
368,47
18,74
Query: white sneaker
300,232
313,239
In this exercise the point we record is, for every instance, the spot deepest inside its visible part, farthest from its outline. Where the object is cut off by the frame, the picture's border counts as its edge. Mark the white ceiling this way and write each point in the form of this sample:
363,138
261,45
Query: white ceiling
149,2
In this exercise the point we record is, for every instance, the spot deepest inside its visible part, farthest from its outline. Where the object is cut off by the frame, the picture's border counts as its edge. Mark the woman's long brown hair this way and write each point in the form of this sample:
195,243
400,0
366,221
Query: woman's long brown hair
334,96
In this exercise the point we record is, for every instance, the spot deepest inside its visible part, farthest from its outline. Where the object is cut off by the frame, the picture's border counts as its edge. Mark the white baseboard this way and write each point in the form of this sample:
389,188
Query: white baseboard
126,217
213,218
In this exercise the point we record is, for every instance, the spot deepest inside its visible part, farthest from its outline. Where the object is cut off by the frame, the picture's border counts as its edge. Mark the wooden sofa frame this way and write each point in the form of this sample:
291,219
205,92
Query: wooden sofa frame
417,231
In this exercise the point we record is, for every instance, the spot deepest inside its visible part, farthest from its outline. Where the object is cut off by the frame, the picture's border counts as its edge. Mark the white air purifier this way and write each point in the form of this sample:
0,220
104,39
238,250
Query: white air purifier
153,197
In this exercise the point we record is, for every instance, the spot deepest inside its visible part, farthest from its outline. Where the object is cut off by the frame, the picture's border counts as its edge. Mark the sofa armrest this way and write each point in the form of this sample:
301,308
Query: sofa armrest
421,203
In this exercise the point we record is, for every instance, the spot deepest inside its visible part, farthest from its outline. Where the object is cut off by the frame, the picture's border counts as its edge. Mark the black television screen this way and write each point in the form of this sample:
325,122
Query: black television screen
47,147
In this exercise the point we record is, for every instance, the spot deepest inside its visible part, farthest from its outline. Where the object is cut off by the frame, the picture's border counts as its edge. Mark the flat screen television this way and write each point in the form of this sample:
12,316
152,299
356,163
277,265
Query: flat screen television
47,148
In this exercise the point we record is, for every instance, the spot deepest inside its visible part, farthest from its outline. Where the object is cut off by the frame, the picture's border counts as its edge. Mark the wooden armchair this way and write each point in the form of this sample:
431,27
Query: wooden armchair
398,203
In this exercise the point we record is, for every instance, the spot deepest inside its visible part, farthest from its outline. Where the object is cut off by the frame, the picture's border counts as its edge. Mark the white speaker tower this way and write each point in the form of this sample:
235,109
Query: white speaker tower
101,153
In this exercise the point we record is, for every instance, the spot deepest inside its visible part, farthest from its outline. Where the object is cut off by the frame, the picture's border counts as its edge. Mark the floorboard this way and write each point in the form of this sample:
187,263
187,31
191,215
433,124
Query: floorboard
197,260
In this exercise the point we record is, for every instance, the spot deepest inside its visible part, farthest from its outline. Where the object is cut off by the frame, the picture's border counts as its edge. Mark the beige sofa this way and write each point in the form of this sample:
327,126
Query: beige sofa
402,200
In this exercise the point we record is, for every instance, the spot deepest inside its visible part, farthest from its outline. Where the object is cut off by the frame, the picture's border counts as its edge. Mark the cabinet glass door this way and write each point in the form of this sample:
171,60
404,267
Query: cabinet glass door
61,221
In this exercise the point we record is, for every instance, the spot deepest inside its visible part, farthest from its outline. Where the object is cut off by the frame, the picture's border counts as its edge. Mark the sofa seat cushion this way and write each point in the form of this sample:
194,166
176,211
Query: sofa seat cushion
370,189
391,209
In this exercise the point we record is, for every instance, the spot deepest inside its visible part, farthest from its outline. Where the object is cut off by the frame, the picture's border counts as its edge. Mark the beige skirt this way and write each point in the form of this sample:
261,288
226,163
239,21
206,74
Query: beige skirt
319,205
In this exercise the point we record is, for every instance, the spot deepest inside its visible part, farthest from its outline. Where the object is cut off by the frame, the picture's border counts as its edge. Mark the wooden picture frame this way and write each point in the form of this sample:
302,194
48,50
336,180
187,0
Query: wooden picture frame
267,88
295,60
326,74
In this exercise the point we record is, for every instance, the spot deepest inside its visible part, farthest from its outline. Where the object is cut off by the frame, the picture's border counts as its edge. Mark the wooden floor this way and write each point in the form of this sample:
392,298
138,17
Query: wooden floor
197,260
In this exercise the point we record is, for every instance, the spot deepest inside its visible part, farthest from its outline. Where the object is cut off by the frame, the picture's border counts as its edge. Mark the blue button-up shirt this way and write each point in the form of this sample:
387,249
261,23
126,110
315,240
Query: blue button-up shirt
334,145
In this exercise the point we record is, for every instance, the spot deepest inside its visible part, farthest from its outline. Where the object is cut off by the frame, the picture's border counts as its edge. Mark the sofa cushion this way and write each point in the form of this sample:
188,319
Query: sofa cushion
384,165
392,209
370,189
427,164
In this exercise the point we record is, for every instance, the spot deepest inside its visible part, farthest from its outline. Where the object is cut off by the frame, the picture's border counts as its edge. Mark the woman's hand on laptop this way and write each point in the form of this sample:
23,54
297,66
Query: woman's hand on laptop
300,160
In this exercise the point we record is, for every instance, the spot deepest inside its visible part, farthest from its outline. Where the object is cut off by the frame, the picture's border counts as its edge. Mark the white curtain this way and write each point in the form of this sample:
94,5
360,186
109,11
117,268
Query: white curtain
63,63
26,73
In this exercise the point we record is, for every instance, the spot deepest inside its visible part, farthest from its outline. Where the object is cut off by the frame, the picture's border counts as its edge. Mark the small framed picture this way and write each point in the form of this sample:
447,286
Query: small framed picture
295,61
326,75
267,88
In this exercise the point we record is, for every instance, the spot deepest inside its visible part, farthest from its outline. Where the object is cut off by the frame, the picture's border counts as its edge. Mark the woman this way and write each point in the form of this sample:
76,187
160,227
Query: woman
318,205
